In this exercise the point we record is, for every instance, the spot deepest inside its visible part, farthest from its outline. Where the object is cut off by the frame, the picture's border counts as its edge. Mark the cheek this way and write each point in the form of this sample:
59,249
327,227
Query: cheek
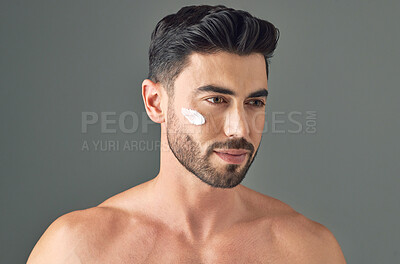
200,123
214,119
215,123
193,116
256,122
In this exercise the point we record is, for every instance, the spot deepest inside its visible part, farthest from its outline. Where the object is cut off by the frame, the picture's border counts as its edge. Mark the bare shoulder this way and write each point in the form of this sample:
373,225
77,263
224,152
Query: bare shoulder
83,235
71,236
62,239
304,239
308,240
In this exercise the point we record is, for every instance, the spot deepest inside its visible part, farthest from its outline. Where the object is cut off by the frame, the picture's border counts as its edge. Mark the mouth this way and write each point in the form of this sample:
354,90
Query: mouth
232,156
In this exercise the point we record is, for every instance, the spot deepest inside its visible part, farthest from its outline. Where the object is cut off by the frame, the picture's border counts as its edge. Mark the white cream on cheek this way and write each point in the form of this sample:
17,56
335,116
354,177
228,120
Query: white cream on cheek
193,116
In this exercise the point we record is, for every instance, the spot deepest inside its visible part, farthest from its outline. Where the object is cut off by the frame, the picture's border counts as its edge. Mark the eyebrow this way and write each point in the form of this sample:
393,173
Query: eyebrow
212,88
260,93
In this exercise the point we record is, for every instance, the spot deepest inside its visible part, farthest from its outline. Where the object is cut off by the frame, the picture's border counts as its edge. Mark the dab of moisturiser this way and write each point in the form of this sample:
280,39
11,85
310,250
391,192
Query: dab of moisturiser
193,116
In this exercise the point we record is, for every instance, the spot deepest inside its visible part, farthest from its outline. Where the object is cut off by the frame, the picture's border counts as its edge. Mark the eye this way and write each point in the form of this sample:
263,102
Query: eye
216,100
256,103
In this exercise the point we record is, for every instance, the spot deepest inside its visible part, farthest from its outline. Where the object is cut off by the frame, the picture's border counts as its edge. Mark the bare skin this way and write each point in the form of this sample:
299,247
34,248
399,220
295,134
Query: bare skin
178,218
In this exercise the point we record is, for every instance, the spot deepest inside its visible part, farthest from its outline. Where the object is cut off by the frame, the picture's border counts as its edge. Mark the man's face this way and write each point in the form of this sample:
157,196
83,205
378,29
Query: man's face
230,92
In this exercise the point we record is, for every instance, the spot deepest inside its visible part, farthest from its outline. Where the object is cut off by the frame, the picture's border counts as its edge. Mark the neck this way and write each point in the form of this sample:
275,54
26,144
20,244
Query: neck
189,205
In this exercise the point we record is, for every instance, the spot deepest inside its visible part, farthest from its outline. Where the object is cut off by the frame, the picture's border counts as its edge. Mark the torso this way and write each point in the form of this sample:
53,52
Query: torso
110,234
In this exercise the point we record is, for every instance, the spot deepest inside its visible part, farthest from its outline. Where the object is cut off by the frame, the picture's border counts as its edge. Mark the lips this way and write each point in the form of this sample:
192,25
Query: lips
233,156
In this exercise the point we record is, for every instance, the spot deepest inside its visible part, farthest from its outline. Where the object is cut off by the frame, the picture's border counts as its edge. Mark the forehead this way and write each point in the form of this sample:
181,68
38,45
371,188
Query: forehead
240,73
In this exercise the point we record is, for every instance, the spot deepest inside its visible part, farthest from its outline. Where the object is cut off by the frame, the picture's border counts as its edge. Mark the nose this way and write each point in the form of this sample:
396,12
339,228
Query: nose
236,123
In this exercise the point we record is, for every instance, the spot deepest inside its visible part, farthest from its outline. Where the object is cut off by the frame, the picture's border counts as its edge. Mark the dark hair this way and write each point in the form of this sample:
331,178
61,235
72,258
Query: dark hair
206,29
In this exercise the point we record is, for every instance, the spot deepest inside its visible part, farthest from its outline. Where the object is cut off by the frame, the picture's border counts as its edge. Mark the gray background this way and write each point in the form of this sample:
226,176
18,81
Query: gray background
338,58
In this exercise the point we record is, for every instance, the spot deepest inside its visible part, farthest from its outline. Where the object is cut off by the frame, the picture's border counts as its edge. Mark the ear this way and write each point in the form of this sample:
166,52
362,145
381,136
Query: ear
152,95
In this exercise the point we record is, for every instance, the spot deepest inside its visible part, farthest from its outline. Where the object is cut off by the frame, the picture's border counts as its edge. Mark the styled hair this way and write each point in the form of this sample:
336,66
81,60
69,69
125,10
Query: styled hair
206,29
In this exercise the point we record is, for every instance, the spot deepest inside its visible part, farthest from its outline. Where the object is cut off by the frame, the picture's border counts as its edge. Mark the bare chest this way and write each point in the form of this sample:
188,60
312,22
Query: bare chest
239,247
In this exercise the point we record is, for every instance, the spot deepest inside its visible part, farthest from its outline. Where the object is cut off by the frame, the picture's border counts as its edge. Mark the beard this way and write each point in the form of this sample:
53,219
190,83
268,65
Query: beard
188,152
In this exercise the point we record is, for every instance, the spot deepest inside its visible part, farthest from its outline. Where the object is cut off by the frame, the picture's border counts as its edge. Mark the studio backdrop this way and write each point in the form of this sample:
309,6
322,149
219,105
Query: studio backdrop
74,130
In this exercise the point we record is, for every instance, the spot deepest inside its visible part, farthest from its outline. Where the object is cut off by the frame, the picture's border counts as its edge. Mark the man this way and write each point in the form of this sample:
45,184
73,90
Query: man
207,87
